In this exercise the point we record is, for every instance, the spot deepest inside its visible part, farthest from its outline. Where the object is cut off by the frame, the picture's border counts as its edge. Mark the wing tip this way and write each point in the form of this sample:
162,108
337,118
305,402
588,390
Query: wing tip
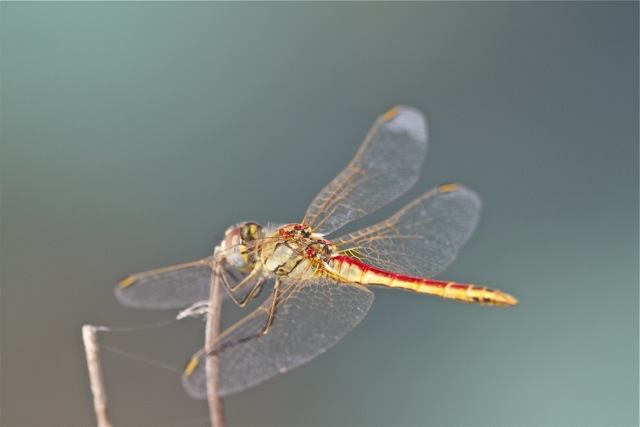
120,292
448,188
194,386
391,113
408,119
126,282
452,187
191,366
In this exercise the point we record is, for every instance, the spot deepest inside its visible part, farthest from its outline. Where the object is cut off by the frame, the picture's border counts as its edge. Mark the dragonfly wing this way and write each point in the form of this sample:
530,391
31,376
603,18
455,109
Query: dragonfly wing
386,165
421,239
310,318
173,287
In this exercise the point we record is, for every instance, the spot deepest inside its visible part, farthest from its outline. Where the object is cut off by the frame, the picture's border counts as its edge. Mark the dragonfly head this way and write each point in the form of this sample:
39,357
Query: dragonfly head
238,241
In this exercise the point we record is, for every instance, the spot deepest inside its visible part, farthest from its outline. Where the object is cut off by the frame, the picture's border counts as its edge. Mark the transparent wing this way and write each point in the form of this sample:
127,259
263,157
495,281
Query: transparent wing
177,286
310,318
423,238
386,165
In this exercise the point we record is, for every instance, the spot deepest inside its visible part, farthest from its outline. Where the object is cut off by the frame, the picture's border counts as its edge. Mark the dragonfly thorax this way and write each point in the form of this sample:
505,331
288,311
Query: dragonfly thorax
239,242
290,245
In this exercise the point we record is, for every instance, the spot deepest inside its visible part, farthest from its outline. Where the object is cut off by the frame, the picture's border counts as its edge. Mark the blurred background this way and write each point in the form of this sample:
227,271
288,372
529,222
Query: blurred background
134,134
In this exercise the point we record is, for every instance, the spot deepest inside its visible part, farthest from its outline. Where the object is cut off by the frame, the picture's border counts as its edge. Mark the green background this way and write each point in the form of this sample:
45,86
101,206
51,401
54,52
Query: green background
133,134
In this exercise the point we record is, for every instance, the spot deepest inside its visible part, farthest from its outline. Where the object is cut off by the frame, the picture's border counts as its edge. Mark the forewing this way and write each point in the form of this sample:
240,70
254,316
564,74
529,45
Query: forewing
423,238
386,165
311,317
173,287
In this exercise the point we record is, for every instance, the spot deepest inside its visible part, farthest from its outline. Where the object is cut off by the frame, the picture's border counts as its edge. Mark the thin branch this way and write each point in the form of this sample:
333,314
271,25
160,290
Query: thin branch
212,362
92,351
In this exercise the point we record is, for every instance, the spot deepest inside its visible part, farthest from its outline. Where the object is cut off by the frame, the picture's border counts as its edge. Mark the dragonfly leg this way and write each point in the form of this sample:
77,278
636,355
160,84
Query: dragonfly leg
253,293
272,310
265,329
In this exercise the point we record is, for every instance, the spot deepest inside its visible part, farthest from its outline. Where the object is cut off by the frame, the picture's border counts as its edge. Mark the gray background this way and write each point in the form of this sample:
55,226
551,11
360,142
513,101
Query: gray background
133,134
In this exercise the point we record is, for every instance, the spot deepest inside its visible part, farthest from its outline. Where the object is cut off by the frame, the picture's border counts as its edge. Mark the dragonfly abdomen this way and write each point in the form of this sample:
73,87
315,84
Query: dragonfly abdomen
352,270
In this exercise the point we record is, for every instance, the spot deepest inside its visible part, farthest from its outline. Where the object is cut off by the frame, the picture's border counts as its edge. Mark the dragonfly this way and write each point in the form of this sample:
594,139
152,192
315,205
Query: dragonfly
320,287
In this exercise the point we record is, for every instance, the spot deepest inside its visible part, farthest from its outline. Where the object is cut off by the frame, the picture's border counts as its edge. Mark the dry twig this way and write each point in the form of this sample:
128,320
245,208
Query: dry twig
212,362
95,375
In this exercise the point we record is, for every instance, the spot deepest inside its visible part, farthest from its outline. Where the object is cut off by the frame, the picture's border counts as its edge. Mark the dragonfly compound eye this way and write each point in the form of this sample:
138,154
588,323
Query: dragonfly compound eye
251,231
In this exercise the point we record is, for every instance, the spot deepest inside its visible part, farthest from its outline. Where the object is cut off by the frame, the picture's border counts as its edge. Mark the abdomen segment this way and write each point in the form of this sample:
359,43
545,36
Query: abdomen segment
351,270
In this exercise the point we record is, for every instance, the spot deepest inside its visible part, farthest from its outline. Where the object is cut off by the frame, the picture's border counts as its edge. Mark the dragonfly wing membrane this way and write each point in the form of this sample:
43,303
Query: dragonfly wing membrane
421,239
386,165
310,317
178,286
